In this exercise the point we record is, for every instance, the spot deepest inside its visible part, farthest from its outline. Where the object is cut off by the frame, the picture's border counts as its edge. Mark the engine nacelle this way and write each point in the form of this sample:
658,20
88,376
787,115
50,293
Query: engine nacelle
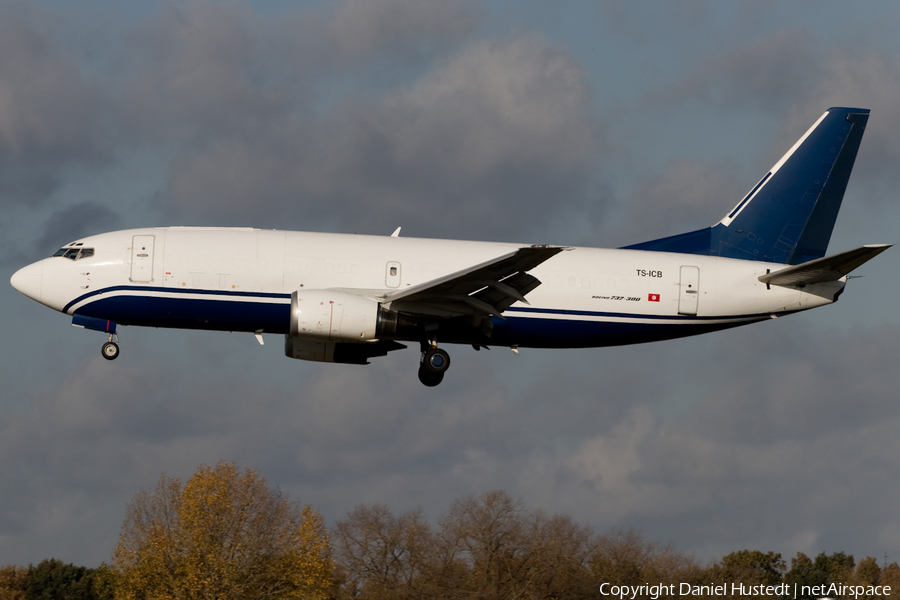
337,352
333,316
302,349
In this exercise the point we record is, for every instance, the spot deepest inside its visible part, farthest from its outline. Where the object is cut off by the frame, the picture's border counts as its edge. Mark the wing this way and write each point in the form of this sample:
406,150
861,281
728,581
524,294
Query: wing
485,289
820,270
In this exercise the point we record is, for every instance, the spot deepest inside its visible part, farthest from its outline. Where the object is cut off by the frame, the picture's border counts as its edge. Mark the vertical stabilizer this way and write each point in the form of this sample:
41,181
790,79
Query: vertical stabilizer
789,215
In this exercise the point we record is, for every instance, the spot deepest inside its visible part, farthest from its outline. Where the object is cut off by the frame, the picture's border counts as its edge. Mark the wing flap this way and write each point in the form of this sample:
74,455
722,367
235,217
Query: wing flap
485,289
828,268
501,294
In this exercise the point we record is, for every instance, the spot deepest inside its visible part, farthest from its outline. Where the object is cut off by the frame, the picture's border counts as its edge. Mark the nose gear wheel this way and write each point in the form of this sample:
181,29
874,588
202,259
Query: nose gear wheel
110,350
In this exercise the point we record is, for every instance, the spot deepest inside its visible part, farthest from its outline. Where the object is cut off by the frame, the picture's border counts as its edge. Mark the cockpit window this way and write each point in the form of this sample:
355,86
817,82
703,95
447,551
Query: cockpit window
74,253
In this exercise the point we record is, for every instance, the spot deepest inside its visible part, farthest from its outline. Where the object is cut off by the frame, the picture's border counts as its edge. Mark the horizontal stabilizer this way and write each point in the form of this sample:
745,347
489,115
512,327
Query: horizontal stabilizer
821,270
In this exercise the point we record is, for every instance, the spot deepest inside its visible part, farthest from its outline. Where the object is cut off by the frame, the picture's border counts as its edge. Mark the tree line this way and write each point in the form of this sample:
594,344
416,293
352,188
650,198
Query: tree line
226,534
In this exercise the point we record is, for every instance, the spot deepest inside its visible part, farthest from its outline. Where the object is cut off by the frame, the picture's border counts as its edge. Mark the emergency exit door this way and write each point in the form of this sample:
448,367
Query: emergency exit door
689,293
142,258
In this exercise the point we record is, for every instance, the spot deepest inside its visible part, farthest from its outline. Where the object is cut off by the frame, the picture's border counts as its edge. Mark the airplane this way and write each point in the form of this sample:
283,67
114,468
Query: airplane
347,298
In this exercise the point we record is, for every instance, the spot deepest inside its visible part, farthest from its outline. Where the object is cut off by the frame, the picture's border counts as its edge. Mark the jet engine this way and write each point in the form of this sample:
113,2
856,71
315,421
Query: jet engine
334,326
333,316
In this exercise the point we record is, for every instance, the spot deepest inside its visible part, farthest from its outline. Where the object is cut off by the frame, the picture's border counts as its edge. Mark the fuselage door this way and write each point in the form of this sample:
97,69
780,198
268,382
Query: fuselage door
392,274
689,292
142,258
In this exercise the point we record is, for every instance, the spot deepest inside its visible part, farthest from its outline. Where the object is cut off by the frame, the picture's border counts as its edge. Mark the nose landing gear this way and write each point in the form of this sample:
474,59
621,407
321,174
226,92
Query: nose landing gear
433,365
110,349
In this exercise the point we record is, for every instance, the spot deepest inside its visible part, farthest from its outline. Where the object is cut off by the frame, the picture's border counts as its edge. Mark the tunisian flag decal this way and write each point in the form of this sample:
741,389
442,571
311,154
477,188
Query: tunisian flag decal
653,298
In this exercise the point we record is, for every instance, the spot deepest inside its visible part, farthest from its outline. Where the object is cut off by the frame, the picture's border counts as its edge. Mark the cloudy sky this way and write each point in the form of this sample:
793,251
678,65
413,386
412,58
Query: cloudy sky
580,123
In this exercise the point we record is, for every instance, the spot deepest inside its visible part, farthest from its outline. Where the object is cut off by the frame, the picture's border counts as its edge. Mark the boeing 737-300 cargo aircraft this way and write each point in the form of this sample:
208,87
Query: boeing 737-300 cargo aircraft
347,298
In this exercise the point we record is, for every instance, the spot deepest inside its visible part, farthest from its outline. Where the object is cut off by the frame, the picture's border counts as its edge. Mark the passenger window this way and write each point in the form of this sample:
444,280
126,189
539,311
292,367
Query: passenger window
86,253
71,253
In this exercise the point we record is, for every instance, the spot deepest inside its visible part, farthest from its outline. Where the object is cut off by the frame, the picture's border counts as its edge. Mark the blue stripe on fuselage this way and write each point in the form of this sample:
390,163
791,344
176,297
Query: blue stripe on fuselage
548,332
590,313
541,328
192,309
181,291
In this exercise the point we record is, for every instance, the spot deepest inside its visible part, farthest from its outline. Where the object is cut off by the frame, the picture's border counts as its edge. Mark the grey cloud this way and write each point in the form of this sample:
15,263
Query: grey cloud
756,73
705,492
762,70
201,70
246,106
778,424
363,29
72,222
198,73
650,23
50,112
793,76
322,438
775,436
494,127
866,79
522,101
498,127
688,439
689,195
815,385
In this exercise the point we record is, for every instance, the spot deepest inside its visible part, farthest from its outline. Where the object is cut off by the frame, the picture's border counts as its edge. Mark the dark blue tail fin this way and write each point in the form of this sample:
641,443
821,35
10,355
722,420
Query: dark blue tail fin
789,215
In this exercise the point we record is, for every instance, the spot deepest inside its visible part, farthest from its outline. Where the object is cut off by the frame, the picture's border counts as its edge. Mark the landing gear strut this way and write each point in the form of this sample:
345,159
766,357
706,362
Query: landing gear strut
110,349
433,365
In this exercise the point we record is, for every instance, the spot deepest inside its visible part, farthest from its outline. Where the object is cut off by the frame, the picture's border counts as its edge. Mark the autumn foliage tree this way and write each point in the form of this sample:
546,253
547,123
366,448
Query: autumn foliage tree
491,547
384,556
624,557
13,582
486,547
224,534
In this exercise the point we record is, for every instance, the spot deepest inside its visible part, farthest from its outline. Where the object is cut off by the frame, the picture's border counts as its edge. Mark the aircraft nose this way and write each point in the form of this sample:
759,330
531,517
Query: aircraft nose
28,280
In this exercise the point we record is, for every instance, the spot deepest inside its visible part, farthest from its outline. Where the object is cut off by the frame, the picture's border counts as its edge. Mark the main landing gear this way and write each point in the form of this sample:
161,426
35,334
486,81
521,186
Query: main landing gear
110,349
433,364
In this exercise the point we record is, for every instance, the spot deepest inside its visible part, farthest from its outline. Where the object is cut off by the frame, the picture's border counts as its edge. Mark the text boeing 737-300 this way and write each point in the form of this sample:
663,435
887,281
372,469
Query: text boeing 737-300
348,298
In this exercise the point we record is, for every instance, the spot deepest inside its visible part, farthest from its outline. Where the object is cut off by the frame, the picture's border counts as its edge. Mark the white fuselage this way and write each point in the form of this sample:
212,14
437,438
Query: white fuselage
237,279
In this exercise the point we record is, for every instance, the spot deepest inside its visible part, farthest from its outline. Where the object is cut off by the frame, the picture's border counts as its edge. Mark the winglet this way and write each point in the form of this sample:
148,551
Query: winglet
396,232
